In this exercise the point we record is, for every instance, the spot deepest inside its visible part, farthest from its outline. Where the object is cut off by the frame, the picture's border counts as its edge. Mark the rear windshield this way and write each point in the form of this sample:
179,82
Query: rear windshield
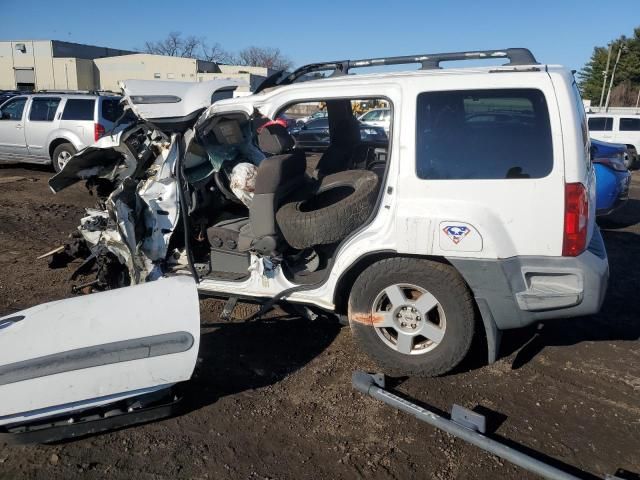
483,134
79,109
600,124
630,124
111,109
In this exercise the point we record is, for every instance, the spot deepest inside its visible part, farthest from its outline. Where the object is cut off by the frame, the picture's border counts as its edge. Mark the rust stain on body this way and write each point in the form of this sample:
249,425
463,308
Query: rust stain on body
370,319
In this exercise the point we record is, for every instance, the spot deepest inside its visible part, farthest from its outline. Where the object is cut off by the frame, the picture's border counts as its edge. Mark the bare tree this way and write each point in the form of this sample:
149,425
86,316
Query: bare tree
215,53
175,45
264,57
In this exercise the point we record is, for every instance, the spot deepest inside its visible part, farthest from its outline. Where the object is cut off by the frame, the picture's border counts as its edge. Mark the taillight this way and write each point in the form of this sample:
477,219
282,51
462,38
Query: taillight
98,131
576,219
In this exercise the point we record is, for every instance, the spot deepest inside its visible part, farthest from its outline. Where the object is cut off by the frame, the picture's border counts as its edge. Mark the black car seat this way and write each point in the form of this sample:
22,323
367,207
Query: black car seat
344,139
277,176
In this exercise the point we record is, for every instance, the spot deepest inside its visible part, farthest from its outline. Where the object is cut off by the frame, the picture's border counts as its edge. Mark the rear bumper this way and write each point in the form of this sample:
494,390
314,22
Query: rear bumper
519,291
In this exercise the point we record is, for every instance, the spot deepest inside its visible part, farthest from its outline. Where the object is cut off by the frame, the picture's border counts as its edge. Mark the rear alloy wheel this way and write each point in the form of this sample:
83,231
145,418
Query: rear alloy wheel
61,155
412,316
411,321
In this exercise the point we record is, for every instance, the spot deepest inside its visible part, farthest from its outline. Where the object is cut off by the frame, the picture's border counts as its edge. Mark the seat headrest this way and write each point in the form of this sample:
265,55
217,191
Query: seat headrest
274,139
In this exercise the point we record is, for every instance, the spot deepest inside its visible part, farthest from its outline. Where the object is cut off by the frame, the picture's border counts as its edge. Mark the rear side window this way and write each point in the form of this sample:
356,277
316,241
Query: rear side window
111,109
601,124
630,124
43,109
78,109
483,134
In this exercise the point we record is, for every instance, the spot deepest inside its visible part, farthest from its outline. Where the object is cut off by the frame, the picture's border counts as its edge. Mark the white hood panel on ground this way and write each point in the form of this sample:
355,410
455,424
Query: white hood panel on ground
154,99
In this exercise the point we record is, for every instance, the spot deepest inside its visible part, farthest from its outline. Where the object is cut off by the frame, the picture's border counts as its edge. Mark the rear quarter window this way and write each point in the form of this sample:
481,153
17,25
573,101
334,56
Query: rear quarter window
483,134
79,109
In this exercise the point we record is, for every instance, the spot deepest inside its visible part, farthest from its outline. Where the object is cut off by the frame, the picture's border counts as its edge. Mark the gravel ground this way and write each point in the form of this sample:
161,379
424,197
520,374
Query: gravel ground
273,399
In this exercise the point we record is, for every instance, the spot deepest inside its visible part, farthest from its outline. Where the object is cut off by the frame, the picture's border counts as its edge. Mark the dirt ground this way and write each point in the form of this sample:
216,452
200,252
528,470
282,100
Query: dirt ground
273,400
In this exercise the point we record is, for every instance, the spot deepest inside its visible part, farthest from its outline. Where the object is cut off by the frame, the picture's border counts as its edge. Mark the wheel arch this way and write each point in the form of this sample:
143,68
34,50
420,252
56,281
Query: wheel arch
346,279
342,291
56,143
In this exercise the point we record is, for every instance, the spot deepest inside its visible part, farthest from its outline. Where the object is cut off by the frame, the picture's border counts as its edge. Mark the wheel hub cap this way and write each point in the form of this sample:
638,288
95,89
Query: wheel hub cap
408,319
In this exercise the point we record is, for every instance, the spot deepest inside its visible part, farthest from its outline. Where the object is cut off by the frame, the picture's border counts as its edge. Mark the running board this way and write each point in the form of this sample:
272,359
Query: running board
464,424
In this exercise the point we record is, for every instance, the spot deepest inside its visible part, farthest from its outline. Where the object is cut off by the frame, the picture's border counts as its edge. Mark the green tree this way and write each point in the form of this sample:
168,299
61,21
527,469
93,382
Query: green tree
627,78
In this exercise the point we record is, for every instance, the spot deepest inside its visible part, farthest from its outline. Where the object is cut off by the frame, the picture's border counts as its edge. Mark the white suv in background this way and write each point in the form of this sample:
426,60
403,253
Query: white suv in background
50,127
617,128
377,117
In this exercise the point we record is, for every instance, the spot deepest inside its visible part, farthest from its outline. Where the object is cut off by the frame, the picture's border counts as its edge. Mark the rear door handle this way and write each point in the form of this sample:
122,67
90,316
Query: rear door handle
18,126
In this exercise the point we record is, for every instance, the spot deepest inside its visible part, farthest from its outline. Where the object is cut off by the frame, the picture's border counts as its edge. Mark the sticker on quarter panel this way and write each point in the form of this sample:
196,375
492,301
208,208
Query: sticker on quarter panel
456,232
459,236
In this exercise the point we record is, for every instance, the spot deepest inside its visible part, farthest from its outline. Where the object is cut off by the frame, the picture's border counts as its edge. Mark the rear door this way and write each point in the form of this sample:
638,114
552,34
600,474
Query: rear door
13,145
40,123
78,117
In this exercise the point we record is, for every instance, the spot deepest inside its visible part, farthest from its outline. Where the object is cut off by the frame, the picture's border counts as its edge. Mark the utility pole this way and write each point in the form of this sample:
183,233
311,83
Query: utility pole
604,76
613,74
637,101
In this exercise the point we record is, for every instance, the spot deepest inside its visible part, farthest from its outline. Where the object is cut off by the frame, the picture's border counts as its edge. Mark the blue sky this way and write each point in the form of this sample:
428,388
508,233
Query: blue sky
557,31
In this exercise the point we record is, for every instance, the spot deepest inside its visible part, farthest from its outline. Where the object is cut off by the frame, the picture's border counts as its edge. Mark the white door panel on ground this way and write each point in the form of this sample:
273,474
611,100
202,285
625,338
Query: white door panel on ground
87,348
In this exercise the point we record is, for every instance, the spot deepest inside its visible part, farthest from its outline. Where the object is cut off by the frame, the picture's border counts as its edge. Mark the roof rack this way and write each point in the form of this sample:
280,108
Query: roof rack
429,61
78,92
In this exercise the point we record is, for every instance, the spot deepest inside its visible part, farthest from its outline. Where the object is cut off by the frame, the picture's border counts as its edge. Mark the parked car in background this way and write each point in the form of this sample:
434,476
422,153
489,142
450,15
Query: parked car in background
313,116
377,117
617,128
7,94
612,176
315,135
51,127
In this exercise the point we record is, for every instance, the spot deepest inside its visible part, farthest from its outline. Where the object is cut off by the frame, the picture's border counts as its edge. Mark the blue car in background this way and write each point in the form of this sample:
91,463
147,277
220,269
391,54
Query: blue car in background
612,176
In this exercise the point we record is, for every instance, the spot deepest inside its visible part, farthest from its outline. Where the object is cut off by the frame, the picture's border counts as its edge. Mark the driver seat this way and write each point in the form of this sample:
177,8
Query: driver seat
277,176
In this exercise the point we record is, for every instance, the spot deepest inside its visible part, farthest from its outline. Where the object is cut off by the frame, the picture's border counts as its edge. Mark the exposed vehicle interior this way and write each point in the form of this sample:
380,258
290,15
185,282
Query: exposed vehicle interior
251,188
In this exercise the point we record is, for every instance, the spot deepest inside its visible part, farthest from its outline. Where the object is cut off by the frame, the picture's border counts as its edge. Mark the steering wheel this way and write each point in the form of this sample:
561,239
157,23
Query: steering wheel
221,178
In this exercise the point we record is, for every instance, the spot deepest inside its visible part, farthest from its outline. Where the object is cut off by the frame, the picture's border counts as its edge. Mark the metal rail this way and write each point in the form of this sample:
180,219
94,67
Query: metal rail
466,425
516,56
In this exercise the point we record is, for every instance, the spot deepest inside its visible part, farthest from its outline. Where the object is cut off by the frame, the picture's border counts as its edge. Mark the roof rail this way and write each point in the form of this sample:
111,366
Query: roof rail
516,56
78,92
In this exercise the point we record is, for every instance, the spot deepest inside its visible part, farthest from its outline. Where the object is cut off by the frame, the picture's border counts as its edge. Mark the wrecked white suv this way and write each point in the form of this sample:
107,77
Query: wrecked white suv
474,214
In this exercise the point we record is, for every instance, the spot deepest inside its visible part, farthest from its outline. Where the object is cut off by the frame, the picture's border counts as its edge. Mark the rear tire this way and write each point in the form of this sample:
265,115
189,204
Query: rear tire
412,316
61,155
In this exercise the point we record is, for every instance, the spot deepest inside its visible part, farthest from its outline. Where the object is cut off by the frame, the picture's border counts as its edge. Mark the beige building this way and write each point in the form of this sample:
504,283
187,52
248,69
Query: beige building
144,66
55,65
50,64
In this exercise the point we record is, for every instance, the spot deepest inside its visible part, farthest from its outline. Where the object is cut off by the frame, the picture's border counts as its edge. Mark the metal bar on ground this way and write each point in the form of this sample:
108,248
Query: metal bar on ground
368,384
